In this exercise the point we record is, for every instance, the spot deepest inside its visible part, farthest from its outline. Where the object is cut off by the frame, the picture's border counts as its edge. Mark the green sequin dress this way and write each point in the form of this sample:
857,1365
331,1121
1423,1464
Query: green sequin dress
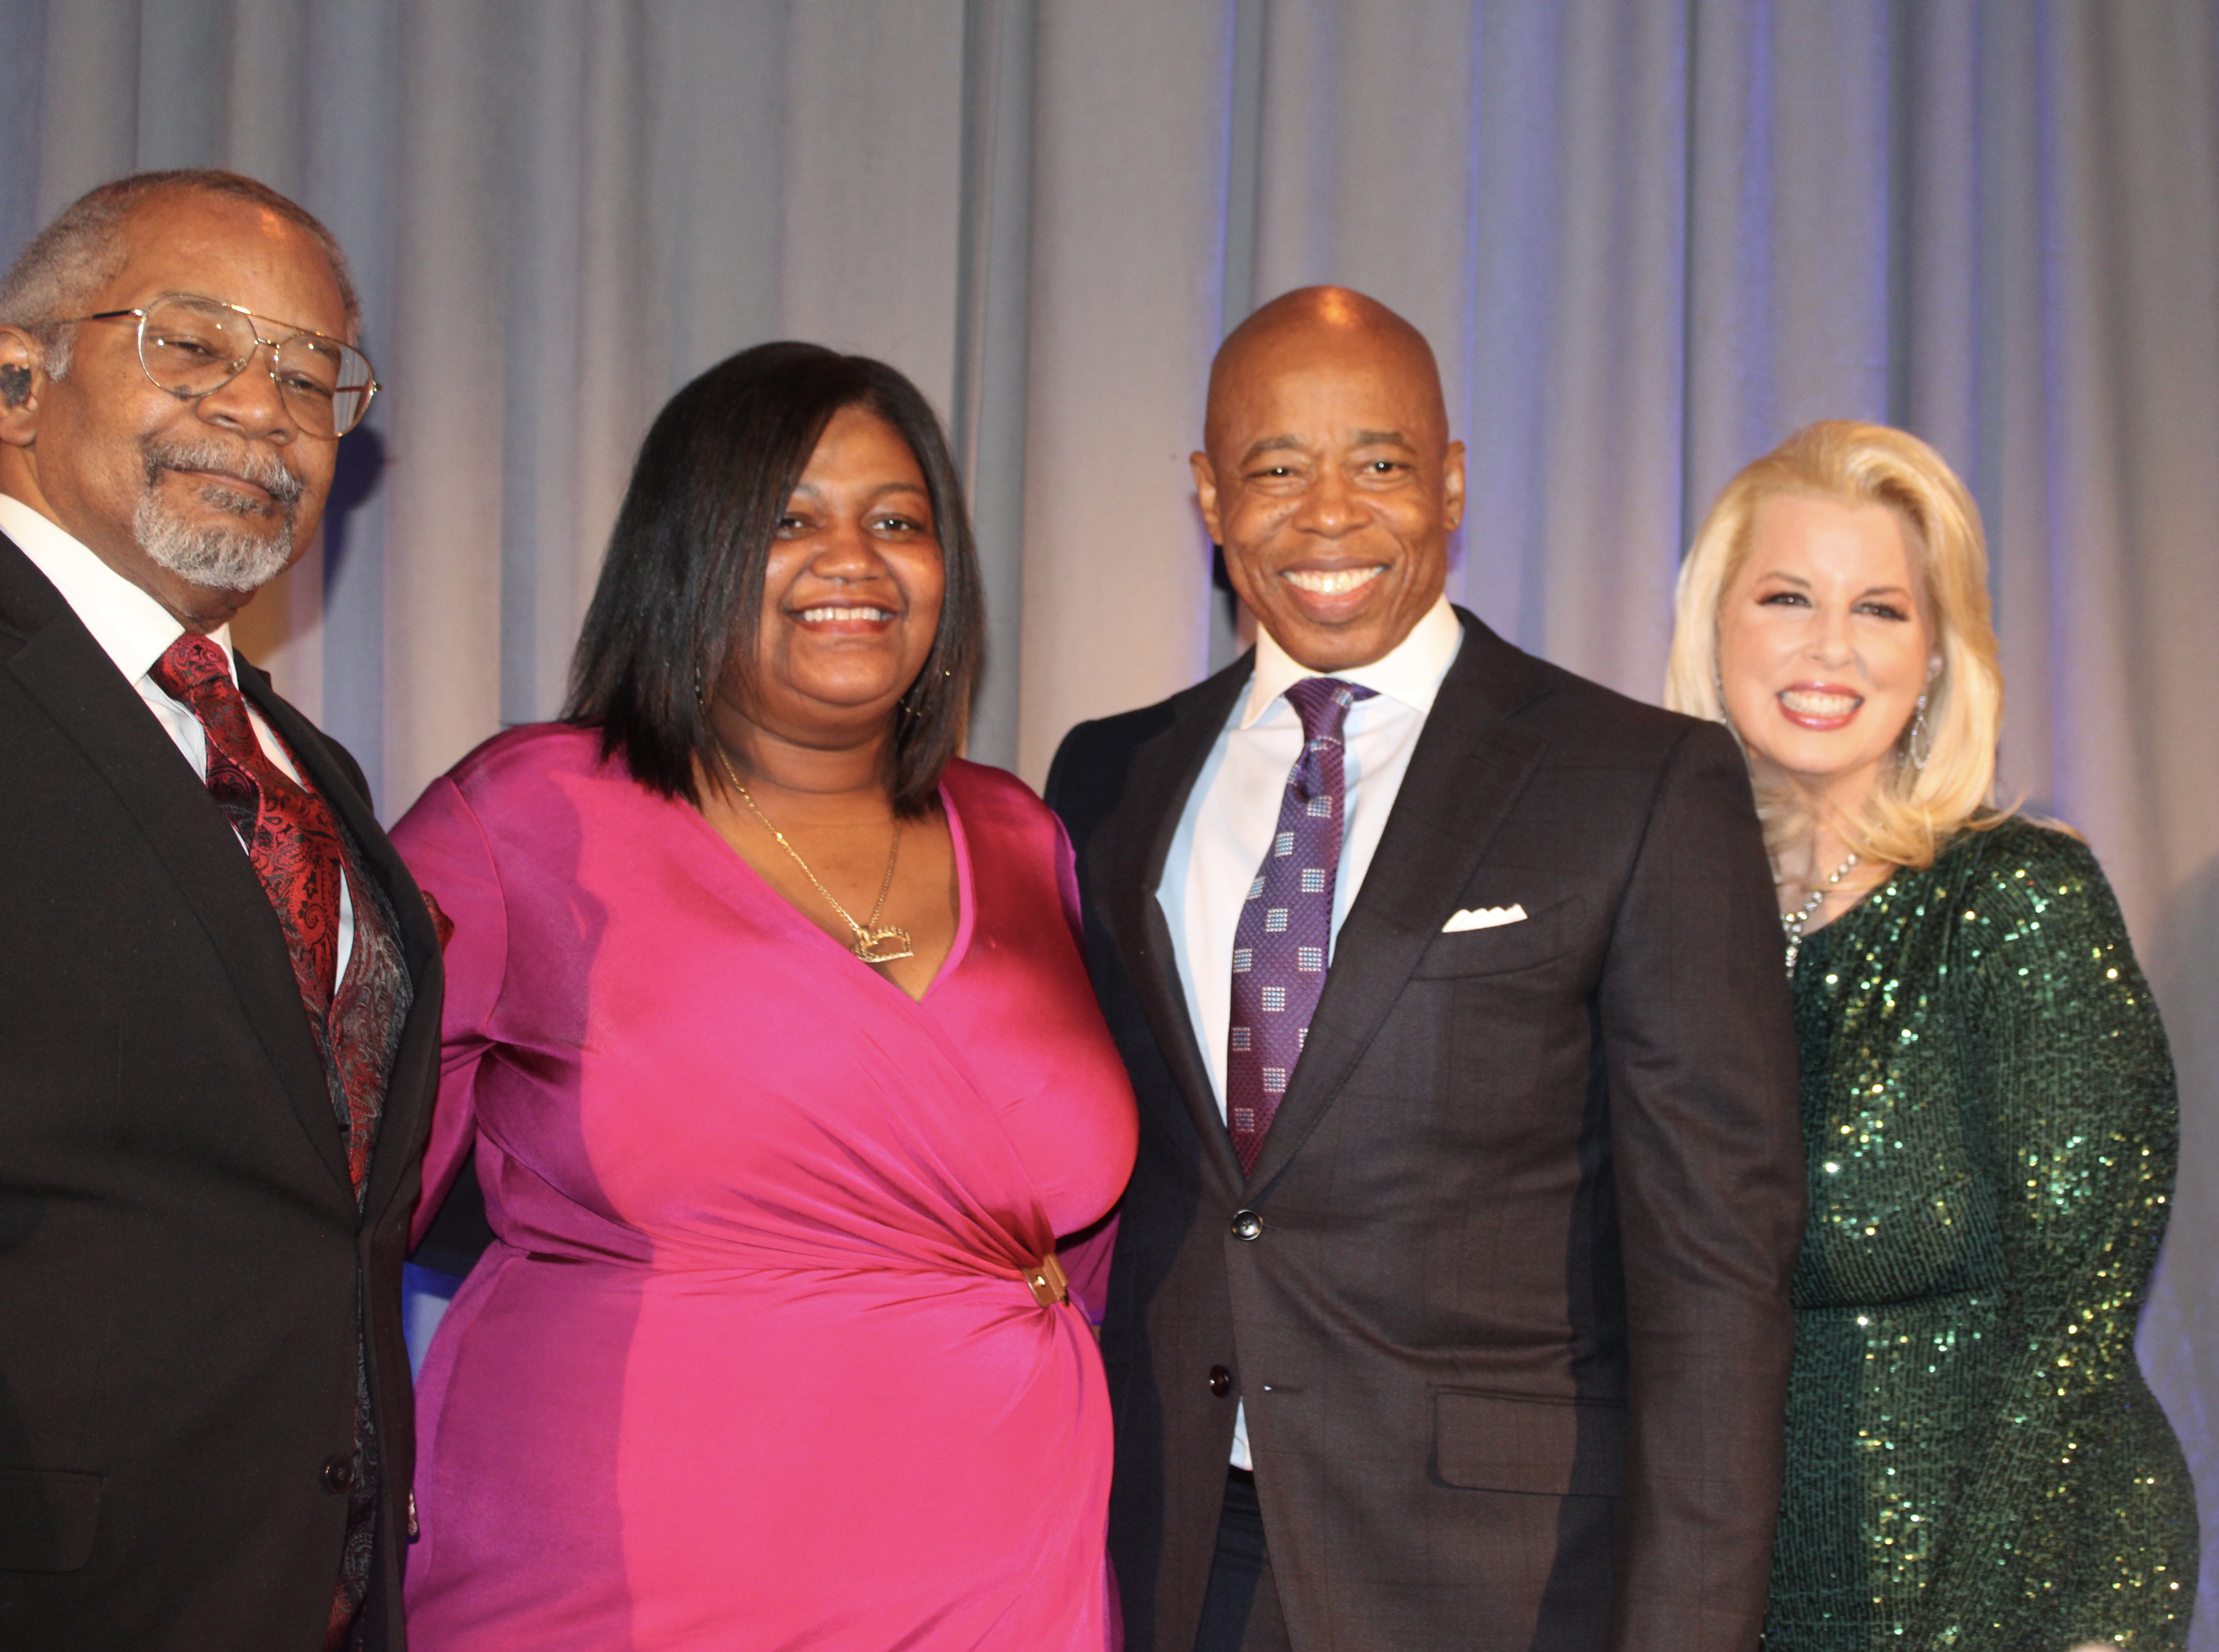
1974,1459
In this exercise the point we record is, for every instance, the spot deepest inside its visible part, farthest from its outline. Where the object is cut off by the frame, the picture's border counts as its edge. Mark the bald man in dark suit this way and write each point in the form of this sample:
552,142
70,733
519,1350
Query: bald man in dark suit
1450,1305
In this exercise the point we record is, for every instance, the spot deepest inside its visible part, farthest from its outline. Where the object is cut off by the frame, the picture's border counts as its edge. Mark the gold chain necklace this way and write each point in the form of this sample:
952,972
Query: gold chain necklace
874,944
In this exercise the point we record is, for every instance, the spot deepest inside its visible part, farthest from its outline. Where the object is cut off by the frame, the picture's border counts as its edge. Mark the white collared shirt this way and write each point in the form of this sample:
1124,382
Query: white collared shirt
134,631
1230,815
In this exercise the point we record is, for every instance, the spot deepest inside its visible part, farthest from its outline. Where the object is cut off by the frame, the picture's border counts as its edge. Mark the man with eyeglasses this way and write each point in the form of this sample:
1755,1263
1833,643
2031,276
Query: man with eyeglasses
219,987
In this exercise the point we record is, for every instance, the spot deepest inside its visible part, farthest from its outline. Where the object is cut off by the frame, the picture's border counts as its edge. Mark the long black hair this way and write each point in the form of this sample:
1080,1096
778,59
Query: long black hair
682,586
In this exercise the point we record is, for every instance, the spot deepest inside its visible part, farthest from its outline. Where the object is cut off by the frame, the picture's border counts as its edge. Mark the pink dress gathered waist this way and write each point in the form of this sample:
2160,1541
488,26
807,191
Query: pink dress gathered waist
753,1362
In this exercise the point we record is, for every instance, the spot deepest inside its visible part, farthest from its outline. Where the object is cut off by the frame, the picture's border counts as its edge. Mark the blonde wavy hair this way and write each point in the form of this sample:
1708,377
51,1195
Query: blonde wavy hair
1913,812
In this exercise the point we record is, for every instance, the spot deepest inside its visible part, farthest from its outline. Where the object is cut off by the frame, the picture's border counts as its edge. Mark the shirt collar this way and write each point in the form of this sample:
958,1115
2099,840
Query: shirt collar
132,628
1410,671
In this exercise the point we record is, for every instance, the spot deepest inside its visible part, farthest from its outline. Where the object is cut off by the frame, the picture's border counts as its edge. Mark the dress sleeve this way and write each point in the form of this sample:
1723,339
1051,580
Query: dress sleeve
2070,1090
1067,883
446,850
1086,1256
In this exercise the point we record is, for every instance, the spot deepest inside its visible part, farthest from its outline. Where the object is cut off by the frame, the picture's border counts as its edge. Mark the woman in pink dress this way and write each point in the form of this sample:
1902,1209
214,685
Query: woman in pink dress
768,1023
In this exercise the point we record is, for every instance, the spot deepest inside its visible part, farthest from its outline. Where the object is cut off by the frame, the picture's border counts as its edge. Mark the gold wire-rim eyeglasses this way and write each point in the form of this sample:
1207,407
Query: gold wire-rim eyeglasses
300,400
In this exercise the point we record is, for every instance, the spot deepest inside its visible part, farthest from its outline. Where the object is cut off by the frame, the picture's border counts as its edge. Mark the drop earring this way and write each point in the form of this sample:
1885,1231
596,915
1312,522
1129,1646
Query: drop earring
1918,746
909,700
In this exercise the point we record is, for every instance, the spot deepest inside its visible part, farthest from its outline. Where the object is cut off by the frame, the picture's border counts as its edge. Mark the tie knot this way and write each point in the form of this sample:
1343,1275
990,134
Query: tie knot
189,666
1322,703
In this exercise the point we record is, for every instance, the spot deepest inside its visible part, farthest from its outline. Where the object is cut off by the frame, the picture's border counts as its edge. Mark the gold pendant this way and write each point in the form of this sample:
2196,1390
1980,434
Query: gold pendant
878,946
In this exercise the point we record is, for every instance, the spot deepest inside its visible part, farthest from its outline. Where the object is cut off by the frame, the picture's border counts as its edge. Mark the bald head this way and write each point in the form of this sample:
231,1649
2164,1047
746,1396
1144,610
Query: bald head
1328,476
1314,326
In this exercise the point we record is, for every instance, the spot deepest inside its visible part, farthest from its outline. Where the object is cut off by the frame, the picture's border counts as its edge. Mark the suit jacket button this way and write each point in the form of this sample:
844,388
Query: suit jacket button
339,1474
1246,1224
1221,1380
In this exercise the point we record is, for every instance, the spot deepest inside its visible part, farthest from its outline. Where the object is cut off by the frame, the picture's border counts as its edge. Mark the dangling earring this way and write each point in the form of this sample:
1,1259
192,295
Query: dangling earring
908,700
1919,747
701,699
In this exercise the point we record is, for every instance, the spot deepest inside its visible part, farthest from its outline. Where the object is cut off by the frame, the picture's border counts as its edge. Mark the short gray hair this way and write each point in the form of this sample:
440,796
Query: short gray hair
74,257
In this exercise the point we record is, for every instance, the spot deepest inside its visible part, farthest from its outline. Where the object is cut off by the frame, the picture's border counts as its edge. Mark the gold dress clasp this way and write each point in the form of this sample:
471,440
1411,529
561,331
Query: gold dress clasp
1046,1278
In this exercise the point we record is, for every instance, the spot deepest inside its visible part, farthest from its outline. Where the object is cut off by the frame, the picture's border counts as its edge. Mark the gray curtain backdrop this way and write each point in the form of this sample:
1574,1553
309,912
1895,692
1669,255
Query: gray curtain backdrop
1647,237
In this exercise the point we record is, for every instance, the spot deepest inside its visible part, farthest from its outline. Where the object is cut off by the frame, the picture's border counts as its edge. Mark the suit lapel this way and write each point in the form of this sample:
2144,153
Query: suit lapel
1137,842
63,669
402,1122
1468,769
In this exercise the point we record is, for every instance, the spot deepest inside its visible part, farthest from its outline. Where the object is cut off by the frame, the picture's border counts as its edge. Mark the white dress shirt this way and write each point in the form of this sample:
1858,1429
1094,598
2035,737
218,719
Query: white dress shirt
134,631
1233,809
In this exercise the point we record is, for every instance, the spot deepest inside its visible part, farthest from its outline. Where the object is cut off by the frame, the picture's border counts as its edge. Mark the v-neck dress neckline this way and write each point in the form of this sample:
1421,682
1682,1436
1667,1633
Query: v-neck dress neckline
964,899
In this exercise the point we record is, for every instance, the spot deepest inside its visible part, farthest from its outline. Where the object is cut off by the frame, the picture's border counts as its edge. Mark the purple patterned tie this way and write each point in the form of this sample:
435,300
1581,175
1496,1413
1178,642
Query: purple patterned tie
1285,938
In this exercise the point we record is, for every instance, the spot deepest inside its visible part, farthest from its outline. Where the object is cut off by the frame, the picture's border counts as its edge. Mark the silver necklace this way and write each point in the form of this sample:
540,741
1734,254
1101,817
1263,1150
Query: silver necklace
1791,923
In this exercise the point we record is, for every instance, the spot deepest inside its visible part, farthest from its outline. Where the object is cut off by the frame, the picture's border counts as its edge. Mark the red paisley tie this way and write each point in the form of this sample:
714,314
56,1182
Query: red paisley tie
290,837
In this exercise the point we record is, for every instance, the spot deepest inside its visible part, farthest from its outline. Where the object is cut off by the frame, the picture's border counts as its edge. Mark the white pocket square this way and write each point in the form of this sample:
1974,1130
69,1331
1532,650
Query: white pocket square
1483,917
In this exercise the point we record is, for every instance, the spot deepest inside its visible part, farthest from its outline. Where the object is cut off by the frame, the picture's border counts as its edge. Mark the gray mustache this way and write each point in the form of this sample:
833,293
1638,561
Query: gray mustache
266,470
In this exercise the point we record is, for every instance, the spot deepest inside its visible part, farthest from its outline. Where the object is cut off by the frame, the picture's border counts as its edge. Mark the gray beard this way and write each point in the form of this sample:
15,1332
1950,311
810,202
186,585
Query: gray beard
243,554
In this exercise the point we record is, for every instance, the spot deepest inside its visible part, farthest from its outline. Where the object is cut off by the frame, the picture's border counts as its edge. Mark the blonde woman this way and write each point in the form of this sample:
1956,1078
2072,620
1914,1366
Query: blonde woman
1974,1459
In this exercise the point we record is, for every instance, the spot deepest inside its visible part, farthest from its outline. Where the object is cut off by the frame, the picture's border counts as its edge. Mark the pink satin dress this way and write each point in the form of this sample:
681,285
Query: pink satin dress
753,1362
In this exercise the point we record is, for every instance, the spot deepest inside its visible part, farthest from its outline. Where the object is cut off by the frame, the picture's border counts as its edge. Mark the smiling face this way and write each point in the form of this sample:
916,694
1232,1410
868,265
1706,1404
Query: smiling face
1329,479
196,502
852,594
1824,644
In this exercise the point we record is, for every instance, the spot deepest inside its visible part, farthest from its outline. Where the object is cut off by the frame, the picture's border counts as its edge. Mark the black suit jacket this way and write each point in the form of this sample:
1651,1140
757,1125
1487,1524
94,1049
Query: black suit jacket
180,1253
1514,1335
